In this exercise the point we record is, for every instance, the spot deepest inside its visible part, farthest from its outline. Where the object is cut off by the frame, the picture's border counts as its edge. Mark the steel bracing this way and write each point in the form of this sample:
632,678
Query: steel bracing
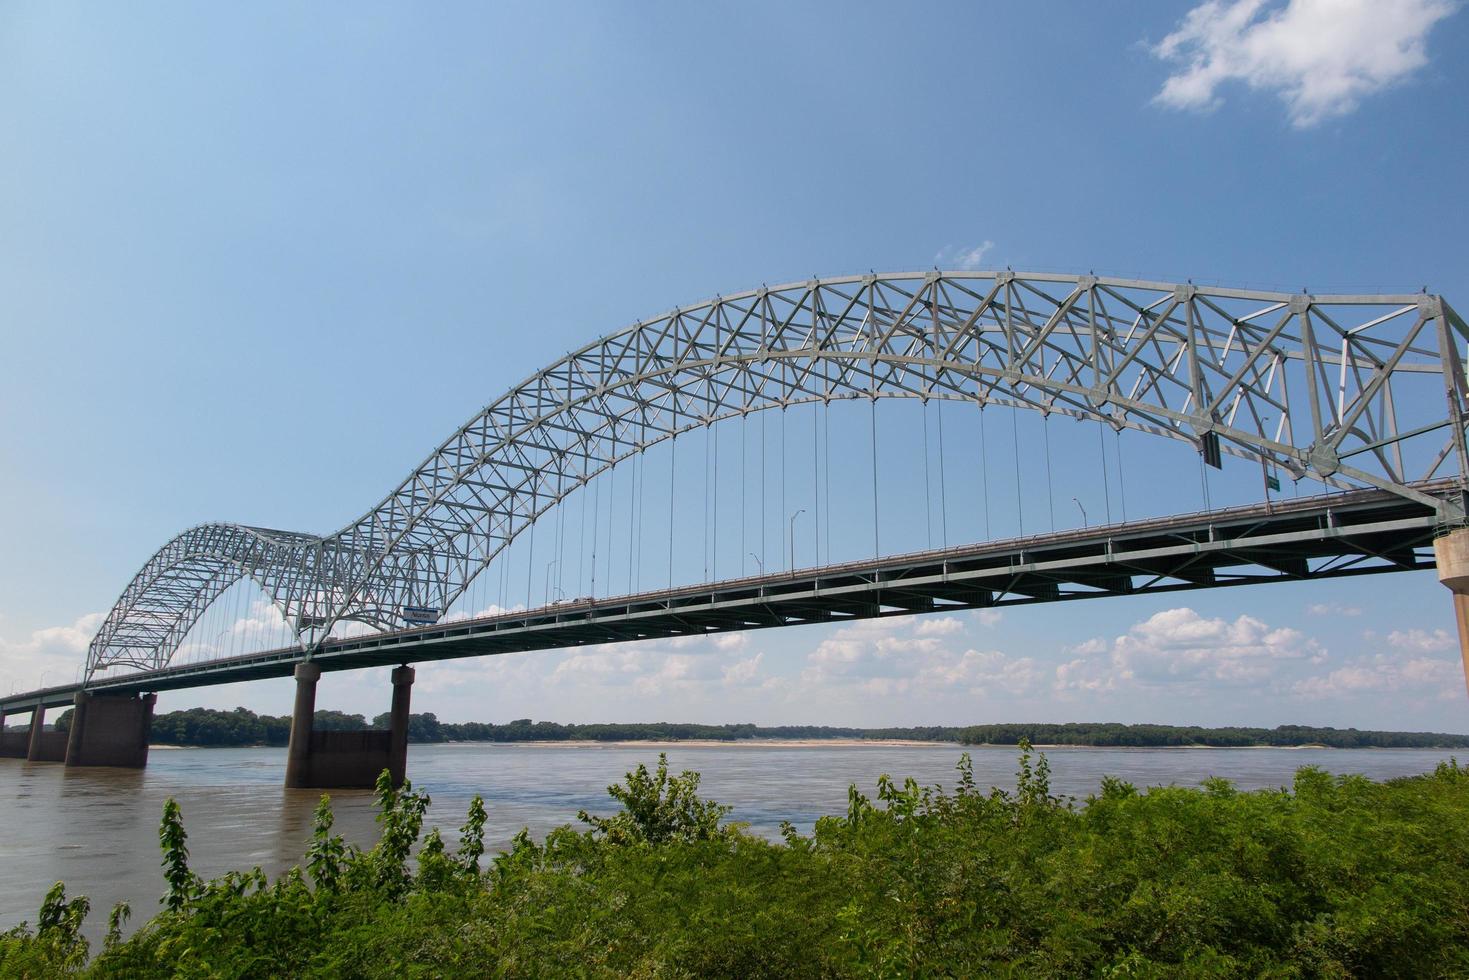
1357,391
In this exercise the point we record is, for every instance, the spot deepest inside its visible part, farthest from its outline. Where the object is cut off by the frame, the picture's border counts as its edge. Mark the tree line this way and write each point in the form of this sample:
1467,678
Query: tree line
241,726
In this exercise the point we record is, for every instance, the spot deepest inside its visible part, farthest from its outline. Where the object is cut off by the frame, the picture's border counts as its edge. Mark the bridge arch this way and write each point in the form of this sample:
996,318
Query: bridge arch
1351,390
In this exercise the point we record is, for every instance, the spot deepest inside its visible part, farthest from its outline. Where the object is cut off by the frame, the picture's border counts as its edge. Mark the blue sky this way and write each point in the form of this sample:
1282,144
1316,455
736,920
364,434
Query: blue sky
256,262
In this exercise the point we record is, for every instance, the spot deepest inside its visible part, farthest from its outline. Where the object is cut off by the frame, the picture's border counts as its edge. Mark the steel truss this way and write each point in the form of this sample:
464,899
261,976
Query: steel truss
1351,390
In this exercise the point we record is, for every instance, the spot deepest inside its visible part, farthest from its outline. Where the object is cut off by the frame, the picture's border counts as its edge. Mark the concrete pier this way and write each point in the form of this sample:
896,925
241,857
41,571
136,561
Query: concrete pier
110,730
1451,551
44,746
14,745
346,760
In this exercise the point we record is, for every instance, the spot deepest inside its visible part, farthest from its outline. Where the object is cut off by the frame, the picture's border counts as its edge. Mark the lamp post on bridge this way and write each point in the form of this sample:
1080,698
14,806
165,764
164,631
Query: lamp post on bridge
1084,523
797,514
547,590
758,563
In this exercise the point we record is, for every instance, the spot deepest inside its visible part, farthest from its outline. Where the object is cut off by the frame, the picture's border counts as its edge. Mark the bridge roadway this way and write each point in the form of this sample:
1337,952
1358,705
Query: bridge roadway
1351,533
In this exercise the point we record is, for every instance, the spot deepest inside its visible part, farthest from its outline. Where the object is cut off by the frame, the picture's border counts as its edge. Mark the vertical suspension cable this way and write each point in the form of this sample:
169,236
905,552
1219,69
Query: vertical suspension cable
816,480
611,511
581,539
743,468
782,474
943,489
714,525
672,469
596,523
1106,479
927,489
530,557
984,474
704,531
764,488
632,497
826,468
1050,487
876,541
1019,497
1121,474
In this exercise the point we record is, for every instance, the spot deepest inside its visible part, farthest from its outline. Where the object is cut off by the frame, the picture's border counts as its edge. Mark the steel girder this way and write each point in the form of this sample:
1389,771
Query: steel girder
1352,390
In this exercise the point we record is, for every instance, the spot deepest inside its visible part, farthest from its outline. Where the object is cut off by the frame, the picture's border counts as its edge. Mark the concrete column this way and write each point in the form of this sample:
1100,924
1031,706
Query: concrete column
298,754
1451,552
38,726
78,729
110,730
398,725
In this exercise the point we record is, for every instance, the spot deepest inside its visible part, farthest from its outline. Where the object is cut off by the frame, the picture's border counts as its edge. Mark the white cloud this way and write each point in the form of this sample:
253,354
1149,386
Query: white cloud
1321,57
1332,609
988,617
940,626
1421,641
1180,647
967,258
684,665
904,655
1387,672
53,654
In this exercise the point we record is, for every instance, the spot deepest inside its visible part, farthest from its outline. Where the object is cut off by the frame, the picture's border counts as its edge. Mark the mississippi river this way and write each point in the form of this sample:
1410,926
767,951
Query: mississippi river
97,829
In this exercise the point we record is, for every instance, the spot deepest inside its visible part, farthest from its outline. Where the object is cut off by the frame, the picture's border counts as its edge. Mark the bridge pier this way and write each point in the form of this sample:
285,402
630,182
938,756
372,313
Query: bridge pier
110,730
14,745
41,745
346,760
1451,553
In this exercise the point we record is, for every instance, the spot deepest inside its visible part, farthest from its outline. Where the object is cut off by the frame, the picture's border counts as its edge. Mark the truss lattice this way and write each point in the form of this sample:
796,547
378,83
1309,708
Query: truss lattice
1355,391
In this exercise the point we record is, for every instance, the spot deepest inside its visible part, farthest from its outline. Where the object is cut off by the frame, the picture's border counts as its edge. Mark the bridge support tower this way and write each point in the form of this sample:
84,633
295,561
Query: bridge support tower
110,730
350,760
14,745
1451,552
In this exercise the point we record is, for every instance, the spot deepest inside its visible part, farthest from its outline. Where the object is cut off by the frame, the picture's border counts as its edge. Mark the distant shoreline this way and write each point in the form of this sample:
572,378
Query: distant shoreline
814,743
241,727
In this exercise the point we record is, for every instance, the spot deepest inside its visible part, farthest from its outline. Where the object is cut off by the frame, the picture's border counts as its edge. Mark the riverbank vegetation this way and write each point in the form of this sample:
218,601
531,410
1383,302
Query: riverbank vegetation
208,727
1336,876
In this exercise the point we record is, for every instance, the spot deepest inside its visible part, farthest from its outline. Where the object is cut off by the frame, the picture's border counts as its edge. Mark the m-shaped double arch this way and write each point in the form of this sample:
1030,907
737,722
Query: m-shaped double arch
1353,390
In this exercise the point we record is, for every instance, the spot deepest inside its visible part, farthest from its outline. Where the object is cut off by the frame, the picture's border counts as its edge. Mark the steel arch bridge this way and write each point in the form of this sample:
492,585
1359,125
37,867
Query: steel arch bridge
1357,391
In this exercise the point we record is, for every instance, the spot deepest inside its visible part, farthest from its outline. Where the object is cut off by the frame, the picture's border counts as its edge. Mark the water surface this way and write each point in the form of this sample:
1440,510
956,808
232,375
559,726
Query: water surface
97,829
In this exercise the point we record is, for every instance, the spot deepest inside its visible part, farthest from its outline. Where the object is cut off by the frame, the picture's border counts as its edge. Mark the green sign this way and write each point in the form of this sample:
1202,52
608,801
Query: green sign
1272,482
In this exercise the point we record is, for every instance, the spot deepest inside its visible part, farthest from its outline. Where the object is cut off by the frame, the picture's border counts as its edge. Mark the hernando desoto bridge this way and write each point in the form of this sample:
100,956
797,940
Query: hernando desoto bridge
1364,394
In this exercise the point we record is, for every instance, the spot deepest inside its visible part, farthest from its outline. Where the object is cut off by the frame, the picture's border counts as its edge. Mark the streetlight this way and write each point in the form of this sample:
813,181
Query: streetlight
758,563
1083,512
793,537
547,590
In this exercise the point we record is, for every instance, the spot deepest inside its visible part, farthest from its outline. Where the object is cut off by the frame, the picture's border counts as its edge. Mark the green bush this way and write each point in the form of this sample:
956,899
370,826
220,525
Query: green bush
1333,877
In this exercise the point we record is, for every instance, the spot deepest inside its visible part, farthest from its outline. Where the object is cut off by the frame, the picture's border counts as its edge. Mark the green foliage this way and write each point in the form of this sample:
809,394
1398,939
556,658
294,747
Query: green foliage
1336,876
204,726
182,883
658,809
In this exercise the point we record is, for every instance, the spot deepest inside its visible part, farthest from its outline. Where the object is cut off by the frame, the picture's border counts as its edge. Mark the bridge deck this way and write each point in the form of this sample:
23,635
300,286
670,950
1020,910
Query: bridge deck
1354,533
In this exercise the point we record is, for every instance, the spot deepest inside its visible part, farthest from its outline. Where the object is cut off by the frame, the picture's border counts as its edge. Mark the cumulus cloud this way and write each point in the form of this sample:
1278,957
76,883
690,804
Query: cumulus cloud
1321,57
902,655
1421,641
684,664
1332,609
1387,672
966,258
1180,647
52,654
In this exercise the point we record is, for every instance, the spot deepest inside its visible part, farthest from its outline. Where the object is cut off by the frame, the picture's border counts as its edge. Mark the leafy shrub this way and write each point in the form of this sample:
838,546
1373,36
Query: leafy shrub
1335,876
